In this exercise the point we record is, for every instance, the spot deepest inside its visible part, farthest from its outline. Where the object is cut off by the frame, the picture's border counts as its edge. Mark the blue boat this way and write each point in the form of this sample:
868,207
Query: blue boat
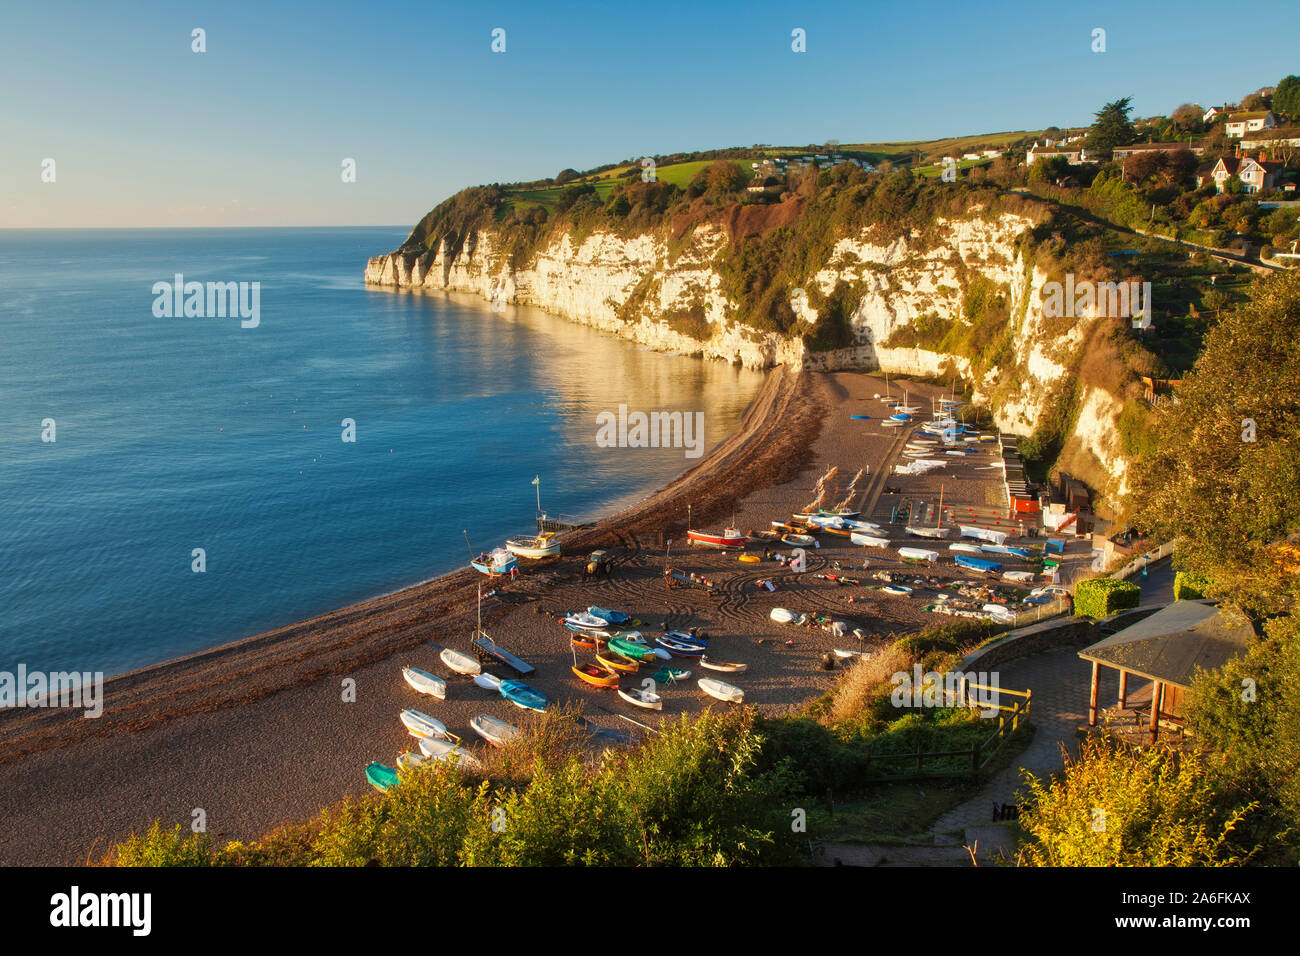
976,564
521,695
616,618
495,563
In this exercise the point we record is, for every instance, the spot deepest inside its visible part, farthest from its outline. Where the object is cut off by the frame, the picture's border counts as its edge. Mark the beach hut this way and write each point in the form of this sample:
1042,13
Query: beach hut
1167,648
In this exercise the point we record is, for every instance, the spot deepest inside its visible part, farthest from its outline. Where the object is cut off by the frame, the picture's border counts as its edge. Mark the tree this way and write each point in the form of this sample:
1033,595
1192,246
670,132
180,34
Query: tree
1225,475
1188,117
1259,100
565,176
1286,98
1112,127
723,176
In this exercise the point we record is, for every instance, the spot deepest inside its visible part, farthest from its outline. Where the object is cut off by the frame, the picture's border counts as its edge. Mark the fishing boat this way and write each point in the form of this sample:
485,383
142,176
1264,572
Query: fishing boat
923,531
422,725
596,675
460,663
918,554
614,618
800,540
535,547
731,667
447,751
630,650
614,662
496,562
641,698
424,682
868,540
381,777
494,730
729,540
721,690
680,648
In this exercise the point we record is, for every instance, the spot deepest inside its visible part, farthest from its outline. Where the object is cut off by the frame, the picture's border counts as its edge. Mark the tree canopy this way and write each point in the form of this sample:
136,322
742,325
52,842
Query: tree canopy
1112,127
1286,97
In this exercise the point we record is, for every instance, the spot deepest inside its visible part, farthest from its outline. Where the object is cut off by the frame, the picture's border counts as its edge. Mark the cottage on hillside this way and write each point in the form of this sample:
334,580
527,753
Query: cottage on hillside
1256,175
1239,124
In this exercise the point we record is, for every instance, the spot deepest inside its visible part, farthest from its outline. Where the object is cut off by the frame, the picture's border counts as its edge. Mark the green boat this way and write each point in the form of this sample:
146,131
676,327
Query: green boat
670,675
381,777
630,650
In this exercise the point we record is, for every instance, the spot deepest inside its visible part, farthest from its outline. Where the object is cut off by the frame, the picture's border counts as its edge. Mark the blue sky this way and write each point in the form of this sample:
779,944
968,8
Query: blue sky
145,132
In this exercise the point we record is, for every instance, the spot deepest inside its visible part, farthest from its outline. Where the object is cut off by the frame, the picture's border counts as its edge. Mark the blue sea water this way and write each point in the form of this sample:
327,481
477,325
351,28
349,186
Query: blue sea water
173,434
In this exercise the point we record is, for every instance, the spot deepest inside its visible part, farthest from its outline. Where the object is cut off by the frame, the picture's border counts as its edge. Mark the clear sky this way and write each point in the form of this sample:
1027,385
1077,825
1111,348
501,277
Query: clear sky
146,132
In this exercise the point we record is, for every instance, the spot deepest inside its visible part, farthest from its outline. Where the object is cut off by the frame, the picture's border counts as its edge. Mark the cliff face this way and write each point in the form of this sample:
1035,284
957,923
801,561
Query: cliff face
639,287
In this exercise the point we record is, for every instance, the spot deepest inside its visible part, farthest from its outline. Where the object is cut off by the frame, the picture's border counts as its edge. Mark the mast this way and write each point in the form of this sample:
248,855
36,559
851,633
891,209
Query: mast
940,521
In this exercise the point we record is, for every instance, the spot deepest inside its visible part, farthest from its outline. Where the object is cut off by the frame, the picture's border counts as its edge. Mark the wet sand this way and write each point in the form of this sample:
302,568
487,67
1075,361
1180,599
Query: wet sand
257,733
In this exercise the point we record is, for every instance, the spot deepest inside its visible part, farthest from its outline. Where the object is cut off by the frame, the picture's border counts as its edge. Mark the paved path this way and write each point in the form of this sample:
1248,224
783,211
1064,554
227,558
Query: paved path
1059,680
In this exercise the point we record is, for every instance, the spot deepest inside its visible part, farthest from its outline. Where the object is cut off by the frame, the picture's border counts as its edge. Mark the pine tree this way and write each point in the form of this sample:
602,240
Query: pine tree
1112,127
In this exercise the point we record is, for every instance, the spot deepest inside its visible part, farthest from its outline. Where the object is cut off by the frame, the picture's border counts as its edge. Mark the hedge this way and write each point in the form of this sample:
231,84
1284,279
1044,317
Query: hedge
1102,597
1189,586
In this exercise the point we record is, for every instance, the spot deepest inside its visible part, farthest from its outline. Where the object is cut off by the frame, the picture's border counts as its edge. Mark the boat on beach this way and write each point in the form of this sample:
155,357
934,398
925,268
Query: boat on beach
597,675
922,531
799,540
422,725
381,777
614,662
721,690
447,751
630,650
732,667
424,682
495,563
612,618
460,663
918,554
641,698
868,540
494,730
590,623
534,546
729,540
680,648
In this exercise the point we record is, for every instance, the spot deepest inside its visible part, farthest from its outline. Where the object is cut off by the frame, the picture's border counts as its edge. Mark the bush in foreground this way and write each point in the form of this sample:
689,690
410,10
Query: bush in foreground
1102,597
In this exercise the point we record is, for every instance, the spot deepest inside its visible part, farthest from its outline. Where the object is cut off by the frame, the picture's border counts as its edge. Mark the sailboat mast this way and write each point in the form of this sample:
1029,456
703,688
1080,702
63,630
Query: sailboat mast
940,521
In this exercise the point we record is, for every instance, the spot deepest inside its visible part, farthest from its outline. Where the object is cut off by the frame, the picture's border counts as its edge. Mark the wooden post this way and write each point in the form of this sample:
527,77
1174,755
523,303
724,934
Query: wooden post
1123,689
1157,692
1092,698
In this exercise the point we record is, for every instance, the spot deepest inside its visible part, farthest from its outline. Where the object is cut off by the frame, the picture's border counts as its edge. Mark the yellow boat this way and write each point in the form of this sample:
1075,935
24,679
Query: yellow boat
614,662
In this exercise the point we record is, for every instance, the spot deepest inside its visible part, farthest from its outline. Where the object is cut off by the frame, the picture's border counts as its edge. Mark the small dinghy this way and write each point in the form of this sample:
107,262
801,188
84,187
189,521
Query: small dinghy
801,540
922,531
597,675
523,696
670,675
381,777
857,524
721,690
1021,577
425,683
679,648
460,663
410,760
584,639
896,589
918,554
582,621
785,616
688,637
616,663
965,548
641,698
630,650
731,667
494,730
422,725
868,540
446,751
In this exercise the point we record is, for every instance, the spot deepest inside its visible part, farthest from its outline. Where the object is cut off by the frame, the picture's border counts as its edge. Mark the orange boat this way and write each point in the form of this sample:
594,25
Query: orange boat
580,639
596,675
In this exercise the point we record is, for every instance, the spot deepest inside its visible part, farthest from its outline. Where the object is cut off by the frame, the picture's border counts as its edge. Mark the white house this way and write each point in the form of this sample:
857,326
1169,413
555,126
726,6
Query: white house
1239,124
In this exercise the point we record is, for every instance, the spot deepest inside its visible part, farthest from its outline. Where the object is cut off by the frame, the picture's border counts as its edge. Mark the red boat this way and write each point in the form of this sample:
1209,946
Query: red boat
731,539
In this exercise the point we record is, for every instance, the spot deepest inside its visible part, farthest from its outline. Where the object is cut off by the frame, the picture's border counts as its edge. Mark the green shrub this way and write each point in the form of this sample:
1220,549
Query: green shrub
1189,586
1102,597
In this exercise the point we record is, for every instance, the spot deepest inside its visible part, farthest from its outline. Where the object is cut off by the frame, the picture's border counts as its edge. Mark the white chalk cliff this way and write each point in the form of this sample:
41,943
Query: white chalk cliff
634,286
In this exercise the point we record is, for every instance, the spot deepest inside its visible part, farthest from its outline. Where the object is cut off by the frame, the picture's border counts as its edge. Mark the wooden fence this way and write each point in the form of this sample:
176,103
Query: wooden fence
977,757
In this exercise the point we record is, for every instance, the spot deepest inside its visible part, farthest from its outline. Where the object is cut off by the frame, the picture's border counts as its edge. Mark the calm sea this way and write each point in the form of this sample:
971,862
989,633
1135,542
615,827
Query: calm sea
177,434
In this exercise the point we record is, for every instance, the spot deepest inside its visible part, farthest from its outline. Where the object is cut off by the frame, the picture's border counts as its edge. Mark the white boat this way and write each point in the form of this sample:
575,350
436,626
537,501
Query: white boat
494,730
541,546
584,621
891,423
424,682
859,525
784,616
825,521
642,698
721,690
1022,577
800,540
924,531
965,548
729,667
918,554
488,681
409,760
422,725
460,663
999,612
844,654
896,589
869,541
446,751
